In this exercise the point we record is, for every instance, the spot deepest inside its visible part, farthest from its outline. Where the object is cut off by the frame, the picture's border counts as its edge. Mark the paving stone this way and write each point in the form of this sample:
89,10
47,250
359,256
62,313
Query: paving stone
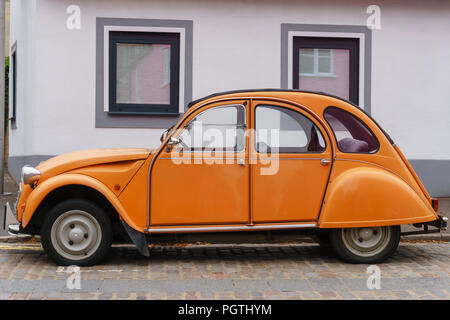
252,285
219,285
147,285
289,285
326,284
356,284
50,286
395,284
21,286
3,283
185,285
114,285
428,283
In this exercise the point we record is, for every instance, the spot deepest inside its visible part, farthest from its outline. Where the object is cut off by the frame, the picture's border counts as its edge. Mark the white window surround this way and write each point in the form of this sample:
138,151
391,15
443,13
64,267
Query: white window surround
316,72
360,36
108,29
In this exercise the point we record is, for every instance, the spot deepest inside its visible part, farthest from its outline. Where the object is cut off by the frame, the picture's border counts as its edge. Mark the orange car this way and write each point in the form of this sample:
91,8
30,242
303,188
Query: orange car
238,161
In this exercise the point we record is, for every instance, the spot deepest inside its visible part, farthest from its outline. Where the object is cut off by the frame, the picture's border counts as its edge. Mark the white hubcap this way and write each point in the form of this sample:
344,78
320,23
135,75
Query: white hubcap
366,241
76,235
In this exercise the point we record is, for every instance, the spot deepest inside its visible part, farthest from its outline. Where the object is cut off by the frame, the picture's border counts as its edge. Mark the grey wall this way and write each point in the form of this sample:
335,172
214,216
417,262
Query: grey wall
434,174
16,163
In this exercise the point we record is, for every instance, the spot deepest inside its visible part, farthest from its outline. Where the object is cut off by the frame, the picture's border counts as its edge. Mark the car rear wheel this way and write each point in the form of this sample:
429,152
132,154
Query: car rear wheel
76,232
365,245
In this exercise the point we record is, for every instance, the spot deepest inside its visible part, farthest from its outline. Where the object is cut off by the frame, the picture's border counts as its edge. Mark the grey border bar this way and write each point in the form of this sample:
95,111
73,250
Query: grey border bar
15,163
434,174
105,120
287,27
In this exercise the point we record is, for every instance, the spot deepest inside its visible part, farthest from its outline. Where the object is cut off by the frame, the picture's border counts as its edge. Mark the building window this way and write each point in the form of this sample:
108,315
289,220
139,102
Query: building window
329,65
13,73
144,69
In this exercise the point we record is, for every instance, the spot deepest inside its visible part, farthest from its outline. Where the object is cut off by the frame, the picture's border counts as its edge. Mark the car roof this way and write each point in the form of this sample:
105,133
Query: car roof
314,100
273,92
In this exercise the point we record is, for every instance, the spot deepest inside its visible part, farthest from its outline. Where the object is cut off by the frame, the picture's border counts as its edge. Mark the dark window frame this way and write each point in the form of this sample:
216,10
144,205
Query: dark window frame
13,67
319,131
362,122
173,39
352,44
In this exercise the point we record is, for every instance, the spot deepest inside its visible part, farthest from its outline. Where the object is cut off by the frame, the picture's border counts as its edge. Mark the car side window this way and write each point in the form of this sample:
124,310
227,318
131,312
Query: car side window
216,129
283,130
352,135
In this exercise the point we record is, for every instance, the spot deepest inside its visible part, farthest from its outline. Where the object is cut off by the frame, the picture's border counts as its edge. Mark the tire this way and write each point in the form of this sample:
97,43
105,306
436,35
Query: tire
365,245
76,232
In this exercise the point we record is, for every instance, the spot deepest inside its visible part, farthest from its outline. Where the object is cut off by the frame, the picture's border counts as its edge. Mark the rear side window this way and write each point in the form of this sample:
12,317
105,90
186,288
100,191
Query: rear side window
352,135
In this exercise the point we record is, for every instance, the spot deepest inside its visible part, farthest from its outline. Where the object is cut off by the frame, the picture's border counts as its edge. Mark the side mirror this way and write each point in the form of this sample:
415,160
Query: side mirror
164,135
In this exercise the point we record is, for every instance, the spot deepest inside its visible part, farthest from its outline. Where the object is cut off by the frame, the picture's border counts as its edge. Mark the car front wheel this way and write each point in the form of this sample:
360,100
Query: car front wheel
365,245
76,232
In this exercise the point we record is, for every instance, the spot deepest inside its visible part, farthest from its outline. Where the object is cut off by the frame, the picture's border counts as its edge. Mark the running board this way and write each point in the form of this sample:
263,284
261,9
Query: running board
216,228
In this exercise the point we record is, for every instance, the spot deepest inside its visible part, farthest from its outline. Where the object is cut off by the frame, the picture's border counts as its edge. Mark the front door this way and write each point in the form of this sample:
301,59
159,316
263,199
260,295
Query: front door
291,158
204,179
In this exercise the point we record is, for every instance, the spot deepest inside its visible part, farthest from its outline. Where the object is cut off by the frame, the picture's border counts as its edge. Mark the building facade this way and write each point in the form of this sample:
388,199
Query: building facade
103,74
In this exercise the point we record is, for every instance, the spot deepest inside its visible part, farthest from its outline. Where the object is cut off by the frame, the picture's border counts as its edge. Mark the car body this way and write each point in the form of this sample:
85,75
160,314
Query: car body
291,160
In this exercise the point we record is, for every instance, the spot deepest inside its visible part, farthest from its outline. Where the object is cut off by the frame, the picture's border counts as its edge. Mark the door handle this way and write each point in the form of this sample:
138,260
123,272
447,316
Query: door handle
241,162
324,162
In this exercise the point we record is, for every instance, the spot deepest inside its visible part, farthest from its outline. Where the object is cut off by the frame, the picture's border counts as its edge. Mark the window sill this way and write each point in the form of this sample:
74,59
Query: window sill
128,113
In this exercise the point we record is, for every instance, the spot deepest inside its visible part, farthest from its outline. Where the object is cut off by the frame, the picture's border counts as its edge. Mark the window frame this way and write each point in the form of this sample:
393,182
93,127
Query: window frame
361,121
255,146
137,37
352,44
316,72
13,73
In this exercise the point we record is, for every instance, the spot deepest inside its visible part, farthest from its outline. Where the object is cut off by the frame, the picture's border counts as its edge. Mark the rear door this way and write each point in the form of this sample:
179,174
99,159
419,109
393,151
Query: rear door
291,161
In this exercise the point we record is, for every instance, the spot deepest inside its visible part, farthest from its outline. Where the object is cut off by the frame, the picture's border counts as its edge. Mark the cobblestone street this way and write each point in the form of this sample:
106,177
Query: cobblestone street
419,270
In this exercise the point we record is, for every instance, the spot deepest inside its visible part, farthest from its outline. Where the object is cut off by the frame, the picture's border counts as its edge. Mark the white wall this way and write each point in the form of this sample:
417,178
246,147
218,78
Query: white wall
236,45
22,33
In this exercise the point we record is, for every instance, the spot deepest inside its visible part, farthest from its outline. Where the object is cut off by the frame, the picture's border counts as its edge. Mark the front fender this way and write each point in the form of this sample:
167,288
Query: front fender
368,197
43,189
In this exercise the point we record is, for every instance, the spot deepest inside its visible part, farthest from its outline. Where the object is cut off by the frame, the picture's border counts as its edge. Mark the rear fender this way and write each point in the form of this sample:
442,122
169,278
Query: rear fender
367,197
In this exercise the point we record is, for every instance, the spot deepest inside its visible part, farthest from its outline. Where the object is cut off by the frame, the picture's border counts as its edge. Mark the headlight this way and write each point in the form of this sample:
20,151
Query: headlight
29,175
